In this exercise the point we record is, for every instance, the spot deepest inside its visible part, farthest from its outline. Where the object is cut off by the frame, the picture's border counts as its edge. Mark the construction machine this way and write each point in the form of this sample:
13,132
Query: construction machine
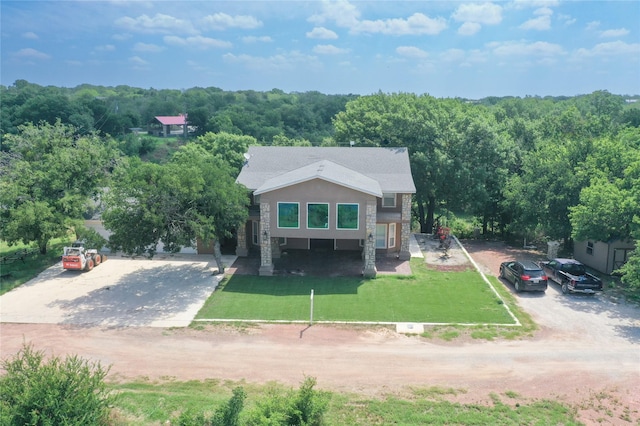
79,258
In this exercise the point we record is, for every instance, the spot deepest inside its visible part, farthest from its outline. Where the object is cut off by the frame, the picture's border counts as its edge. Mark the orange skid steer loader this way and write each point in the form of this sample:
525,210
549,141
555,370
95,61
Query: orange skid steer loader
79,258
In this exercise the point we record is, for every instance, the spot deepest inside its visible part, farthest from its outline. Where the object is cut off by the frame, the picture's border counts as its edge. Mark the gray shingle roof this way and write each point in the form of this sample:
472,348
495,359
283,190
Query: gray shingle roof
369,170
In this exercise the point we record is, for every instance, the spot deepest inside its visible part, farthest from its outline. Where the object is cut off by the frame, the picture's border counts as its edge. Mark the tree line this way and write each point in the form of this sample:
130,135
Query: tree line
537,168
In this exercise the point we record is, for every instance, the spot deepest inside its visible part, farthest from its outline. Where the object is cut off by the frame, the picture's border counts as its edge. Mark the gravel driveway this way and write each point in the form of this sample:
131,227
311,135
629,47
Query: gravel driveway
167,291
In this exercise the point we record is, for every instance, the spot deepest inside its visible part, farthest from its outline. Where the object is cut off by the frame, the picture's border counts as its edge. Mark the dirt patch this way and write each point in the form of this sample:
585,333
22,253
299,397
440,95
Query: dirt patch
448,257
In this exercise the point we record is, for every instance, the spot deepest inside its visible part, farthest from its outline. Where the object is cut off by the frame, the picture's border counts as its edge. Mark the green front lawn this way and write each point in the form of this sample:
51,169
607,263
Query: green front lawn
426,296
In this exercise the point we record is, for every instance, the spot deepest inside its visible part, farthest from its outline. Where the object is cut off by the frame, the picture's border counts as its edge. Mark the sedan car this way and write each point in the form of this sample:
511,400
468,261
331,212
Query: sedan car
525,275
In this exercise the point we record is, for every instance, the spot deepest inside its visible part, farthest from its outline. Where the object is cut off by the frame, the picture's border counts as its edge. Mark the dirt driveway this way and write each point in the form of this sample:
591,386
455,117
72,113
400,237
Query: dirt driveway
587,353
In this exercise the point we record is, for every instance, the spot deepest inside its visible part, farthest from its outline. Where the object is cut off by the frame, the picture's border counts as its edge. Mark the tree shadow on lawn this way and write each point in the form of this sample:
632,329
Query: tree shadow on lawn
142,297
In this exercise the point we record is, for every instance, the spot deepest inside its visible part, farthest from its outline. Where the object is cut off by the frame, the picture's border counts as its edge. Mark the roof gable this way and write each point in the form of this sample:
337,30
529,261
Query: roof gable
325,170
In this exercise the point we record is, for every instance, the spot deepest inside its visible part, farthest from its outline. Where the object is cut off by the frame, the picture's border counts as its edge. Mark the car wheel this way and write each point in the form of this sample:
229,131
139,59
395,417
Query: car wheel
518,286
501,272
565,288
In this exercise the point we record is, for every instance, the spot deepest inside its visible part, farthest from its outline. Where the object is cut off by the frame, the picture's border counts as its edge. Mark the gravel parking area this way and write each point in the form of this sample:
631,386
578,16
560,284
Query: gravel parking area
167,291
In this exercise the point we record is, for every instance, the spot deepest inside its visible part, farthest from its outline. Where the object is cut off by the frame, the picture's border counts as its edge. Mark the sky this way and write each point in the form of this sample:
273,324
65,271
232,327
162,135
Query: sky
441,48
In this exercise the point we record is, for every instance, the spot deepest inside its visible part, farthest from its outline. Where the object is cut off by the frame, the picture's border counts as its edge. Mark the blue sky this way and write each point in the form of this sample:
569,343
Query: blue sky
443,48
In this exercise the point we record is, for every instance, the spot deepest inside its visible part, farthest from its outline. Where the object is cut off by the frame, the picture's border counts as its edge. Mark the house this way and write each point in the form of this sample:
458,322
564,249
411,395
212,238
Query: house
602,256
171,125
327,198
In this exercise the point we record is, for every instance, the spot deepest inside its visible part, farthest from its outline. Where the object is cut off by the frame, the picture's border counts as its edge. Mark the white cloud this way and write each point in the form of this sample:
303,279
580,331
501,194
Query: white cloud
138,61
147,47
614,33
280,62
567,19
346,15
482,13
416,24
469,28
197,42
520,48
329,49
453,55
593,25
30,35
160,23
343,13
322,33
105,48
222,21
256,39
29,53
411,52
522,4
541,23
613,48
121,37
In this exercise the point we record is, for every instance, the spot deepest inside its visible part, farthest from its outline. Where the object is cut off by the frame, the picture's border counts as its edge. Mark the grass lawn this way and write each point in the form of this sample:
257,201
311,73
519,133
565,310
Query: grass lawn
19,272
425,296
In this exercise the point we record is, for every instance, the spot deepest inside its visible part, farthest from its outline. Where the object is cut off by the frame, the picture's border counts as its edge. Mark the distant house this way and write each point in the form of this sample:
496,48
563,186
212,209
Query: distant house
327,198
170,125
602,256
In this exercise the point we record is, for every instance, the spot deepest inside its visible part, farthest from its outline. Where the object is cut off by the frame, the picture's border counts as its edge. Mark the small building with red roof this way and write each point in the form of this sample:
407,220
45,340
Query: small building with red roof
172,125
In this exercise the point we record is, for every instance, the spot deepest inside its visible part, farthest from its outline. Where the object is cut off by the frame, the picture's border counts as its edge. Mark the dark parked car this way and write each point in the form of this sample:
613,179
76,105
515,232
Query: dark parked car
525,275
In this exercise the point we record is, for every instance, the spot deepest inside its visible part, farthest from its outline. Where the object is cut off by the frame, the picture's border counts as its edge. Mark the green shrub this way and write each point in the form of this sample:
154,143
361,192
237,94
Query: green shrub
36,391
227,415
306,407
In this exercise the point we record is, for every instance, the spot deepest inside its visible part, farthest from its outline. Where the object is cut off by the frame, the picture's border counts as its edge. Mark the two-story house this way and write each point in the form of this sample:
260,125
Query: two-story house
330,197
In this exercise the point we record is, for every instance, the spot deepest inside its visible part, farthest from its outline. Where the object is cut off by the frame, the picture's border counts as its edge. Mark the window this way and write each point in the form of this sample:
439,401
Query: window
317,216
347,216
392,235
388,200
590,247
256,200
381,236
288,215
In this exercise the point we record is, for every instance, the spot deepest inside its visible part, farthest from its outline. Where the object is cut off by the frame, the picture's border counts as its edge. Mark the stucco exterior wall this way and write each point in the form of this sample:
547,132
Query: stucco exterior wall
317,191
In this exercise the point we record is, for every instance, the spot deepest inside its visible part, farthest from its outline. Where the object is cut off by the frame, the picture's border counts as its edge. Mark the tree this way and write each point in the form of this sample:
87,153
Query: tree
228,147
193,196
609,205
453,148
47,178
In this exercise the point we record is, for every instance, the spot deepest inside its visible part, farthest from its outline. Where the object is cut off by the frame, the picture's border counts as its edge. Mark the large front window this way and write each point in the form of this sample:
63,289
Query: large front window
347,216
318,216
288,215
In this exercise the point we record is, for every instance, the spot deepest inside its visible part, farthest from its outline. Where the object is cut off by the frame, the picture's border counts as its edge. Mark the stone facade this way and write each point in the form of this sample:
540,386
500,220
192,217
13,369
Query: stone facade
241,247
405,232
369,270
266,261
